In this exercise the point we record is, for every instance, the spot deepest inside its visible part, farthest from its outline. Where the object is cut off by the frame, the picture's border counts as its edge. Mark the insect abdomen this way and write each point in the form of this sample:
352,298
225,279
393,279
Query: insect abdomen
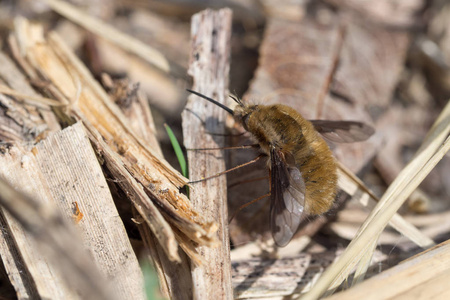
320,174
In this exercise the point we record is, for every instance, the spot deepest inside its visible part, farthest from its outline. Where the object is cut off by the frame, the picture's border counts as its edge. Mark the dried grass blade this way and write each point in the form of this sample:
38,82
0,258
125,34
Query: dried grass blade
364,264
41,102
352,185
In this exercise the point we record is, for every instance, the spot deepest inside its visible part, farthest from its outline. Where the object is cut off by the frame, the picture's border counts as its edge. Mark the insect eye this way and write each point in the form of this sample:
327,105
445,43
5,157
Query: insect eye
245,121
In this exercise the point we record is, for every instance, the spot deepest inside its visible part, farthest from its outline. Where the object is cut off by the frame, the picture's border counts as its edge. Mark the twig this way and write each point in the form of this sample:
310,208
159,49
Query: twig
209,67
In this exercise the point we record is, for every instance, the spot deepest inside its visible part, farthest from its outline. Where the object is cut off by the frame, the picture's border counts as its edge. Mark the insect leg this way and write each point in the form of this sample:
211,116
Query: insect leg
229,170
226,134
247,204
225,148
247,181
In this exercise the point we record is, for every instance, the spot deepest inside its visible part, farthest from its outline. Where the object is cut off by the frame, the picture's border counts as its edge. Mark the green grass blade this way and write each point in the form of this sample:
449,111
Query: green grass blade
178,151
151,282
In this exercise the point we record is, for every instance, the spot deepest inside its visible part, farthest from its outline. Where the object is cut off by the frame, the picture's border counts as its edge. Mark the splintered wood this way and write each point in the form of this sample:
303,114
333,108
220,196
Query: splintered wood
202,125
148,181
153,179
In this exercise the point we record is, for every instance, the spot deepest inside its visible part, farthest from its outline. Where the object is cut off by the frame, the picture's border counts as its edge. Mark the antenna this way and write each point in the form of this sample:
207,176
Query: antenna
229,110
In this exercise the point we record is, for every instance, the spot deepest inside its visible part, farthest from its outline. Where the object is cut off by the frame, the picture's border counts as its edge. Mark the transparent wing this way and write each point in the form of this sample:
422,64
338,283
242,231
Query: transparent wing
343,131
287,197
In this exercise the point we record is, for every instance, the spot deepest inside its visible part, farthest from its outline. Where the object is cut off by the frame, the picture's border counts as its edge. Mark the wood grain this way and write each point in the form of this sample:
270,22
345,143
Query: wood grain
209,67
56,263
73,174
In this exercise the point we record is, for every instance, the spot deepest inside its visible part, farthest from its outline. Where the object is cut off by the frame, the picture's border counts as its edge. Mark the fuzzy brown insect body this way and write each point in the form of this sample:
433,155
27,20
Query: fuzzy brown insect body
282,128
303,172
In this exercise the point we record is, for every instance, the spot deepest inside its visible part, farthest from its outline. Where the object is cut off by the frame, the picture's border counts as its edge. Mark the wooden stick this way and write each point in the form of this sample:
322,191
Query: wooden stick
209,66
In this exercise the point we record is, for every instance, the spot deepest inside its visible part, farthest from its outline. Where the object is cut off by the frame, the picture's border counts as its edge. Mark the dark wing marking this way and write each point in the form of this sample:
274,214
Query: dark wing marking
287,197
343,131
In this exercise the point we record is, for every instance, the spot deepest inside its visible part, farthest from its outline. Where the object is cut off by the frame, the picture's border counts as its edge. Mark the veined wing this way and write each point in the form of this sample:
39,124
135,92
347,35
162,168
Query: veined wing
287,197
343,131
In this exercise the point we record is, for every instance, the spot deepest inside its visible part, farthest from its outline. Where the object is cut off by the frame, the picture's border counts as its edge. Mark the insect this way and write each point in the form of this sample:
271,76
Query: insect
303,171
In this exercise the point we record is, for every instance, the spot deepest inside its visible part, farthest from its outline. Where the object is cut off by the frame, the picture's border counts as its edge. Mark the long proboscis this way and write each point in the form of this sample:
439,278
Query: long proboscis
229,110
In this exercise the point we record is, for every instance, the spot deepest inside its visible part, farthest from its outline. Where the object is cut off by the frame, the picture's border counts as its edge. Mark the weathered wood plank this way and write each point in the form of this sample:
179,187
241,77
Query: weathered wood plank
209,67
71,170
50,248
30,272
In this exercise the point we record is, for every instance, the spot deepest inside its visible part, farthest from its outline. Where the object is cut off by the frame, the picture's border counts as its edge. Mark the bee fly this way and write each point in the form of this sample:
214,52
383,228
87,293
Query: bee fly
302,169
